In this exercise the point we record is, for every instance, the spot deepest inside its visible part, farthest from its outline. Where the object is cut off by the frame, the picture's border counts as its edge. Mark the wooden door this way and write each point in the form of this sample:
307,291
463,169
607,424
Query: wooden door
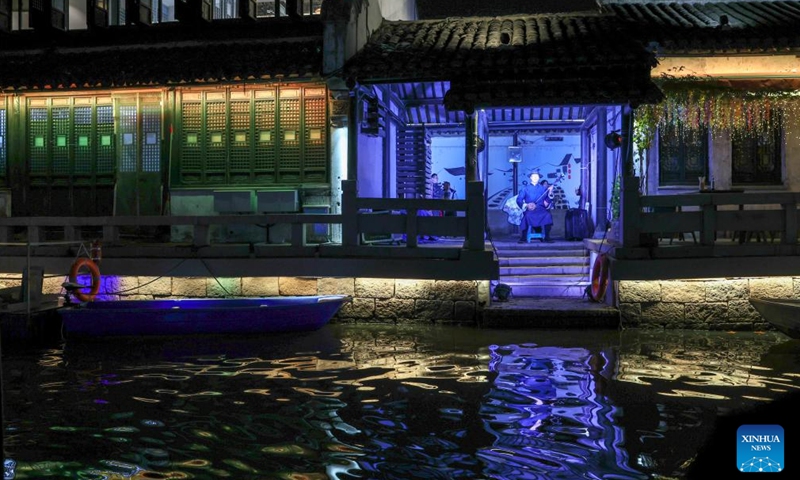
139,134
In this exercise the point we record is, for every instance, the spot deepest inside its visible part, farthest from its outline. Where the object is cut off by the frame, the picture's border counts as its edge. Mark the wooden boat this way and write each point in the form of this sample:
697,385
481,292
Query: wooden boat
782,313
200,316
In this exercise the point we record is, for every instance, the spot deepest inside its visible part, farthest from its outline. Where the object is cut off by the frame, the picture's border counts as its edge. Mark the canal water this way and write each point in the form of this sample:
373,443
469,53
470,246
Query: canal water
385,402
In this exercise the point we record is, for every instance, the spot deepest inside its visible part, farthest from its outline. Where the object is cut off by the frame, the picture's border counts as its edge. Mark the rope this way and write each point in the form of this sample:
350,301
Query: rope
148,283
227,293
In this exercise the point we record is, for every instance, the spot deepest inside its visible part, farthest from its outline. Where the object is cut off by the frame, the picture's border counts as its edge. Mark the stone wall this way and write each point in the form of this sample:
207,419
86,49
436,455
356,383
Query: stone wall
374,300
701,304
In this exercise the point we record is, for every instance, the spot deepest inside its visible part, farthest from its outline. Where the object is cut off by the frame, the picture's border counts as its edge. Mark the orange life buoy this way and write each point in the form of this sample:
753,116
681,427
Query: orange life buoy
600,274
93,270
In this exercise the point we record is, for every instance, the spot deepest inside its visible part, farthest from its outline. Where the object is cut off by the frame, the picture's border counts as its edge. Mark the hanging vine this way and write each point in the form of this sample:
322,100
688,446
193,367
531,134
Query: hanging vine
693,104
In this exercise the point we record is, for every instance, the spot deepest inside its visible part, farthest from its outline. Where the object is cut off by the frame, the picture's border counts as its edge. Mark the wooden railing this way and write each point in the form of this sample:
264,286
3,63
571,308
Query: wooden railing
401,217
710,214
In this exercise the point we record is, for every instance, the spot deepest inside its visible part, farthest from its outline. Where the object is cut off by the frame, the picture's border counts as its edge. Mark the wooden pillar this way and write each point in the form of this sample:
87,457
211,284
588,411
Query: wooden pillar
471,160
349,213
352,136
476,216
601,182
630,211
627,141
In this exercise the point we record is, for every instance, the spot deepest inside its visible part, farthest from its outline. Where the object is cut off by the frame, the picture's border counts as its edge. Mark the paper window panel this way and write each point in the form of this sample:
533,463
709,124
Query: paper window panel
103,144
84,157
127,144
38,154
216,144
191,159
264,154
240,149
61,137
3,142
289,140
151,135
315,158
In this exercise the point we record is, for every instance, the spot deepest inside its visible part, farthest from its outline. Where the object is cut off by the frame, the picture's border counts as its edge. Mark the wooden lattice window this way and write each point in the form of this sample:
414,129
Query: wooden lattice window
266,136
3,141
70,139
413,162
756,157
138,136
682,155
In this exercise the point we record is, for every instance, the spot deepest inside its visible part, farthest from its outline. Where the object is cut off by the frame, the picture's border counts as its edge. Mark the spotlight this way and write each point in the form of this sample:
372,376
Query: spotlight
502,292
613,140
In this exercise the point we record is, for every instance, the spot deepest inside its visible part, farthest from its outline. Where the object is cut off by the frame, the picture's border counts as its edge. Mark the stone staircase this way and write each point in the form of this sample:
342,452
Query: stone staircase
537,269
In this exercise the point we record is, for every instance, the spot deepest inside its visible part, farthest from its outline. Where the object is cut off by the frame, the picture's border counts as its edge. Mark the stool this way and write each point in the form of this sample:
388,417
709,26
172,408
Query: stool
534,234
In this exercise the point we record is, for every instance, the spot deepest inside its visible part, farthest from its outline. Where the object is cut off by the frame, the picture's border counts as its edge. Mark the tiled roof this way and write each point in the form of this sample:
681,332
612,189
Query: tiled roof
584,53
465,96
713,26
430,9
166,64
166,54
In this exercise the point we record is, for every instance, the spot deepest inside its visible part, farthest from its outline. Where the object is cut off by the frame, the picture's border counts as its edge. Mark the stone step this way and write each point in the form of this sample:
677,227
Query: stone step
545,279
545,269
555,252
553,312
547,291
536,261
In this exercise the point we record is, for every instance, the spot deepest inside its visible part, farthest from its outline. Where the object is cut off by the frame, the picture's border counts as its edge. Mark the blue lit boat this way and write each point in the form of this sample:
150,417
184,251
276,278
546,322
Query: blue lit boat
197,316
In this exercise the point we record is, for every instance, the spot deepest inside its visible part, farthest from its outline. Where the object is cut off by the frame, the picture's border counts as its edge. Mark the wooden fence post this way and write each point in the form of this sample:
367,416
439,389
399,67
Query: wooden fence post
789,235
349,213
476,216
709,234
630,211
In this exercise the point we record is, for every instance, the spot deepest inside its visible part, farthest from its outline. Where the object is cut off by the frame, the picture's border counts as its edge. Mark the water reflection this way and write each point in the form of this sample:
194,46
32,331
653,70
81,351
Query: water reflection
384,402
549,415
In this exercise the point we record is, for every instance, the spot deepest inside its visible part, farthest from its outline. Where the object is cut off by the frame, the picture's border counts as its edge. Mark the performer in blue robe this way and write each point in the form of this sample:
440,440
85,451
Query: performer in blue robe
534,200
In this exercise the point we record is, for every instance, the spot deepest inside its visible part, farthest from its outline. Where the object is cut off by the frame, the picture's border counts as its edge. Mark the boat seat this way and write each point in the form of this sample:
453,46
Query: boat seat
71,286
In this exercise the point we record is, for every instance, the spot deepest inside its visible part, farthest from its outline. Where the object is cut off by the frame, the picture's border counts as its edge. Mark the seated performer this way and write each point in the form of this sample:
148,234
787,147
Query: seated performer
534,200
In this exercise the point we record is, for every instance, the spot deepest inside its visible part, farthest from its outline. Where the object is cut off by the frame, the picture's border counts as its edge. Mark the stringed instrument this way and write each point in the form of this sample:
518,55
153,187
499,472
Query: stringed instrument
515,212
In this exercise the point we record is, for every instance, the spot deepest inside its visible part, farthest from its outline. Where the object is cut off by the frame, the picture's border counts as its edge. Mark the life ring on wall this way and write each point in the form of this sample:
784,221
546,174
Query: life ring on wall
600,274
94,270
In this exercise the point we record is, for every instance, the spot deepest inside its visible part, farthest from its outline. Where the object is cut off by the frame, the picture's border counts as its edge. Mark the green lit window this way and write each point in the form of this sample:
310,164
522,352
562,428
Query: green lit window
70,140
260,136
3,134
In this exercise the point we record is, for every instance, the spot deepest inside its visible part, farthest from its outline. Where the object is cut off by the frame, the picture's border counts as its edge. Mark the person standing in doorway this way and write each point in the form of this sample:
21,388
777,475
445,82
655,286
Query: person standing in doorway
436,187
448,193
436,193
534,200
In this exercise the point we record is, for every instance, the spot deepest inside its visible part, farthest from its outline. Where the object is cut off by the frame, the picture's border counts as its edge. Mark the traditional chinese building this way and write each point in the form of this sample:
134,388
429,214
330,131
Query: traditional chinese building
287,146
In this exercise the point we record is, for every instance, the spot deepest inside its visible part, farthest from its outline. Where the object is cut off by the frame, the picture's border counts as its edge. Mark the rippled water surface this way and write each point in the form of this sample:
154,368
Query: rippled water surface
352,402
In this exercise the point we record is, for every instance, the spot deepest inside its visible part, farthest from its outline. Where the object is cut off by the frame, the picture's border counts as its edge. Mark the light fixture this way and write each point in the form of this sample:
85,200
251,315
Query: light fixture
502,292
613,140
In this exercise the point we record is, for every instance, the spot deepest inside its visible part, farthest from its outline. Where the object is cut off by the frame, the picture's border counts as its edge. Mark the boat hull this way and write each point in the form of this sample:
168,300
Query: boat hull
200,316
782,313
